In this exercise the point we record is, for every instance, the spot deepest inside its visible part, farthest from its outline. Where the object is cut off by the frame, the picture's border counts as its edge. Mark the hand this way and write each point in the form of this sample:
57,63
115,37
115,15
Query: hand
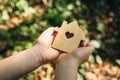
79,56
67,64
43,46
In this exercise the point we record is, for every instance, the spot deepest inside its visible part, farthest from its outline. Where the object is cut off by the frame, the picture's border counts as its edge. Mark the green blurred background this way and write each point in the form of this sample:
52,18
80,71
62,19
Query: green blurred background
22,21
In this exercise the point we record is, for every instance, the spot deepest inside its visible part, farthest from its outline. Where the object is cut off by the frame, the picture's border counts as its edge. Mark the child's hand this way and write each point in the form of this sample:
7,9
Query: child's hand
67,64
78,56
43,46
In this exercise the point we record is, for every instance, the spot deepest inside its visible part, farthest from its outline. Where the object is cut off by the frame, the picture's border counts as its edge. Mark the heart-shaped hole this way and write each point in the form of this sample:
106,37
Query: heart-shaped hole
69,35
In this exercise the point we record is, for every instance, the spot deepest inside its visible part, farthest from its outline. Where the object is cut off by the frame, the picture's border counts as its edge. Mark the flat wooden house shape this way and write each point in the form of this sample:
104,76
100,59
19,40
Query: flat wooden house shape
68,37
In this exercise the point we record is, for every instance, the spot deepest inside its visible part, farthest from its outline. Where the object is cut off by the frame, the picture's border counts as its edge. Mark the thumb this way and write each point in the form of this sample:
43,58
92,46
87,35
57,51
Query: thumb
83,53
47,35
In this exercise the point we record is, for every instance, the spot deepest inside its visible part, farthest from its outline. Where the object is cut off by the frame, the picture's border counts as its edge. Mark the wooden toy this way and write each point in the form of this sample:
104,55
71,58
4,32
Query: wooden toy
68,37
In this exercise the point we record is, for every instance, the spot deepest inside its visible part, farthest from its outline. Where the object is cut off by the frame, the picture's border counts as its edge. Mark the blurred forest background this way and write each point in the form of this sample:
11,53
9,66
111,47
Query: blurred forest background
22,21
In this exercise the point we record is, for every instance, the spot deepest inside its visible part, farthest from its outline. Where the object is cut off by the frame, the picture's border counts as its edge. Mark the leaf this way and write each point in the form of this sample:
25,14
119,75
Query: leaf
1,57
28,11
30,77
78,3
80,77
95,43
28,45
5,15
45,2
90,76
91,59
14,52
99,60
66,13
117,61
70,6
82,68
100,27
22,4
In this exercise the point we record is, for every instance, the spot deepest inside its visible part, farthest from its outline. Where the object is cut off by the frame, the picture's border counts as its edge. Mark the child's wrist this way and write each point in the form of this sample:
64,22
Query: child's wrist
68,62
38,51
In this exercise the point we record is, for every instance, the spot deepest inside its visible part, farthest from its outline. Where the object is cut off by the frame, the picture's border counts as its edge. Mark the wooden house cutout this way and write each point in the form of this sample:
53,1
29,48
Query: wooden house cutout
68,37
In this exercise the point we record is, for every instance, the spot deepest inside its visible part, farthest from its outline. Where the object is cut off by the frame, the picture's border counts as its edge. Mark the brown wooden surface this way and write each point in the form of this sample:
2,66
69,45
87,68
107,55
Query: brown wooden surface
68,37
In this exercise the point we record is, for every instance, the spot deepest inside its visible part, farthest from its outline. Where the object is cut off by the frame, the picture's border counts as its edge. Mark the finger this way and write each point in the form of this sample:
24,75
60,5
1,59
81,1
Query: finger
83,43
90,47
55,32
56,29
48,33
88,44
83,53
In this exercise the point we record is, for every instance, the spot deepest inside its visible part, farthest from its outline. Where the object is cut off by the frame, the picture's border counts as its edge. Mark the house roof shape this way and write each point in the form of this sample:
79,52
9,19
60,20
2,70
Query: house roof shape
68,37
